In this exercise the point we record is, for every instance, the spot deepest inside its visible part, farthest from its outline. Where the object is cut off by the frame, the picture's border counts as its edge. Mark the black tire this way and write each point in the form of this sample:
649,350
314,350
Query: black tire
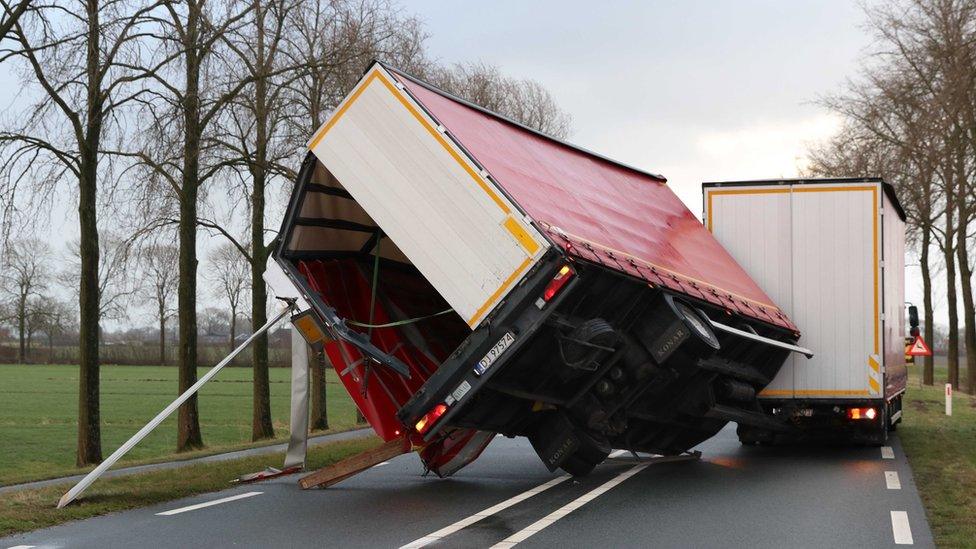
577,466
592,449
751,436
594,331
880,436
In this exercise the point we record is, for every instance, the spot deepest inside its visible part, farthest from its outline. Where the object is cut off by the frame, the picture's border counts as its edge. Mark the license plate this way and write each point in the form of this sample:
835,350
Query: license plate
494,353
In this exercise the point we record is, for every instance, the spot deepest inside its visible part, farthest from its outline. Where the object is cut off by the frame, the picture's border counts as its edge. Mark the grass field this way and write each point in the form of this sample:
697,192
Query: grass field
39,407
942,452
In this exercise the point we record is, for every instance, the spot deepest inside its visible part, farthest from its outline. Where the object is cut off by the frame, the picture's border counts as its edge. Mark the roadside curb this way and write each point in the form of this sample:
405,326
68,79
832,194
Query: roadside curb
215,458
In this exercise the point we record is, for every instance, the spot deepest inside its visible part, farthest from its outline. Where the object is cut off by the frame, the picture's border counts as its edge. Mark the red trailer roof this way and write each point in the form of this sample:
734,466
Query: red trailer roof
600,210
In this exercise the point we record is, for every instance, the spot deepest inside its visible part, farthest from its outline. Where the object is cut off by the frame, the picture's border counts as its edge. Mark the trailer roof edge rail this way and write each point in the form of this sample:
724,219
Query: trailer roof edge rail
755,337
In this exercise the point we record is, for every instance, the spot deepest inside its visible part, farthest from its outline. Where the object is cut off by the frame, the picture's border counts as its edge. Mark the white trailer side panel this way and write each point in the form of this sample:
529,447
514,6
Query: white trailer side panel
765,255
466,238
836,298
829,247
893,234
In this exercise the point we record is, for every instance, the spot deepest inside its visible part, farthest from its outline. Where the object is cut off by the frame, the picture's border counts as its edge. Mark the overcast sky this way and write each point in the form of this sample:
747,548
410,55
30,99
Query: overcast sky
694,90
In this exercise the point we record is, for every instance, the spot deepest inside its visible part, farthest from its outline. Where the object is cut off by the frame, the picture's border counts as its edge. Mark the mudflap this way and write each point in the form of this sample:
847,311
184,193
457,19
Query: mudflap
459,447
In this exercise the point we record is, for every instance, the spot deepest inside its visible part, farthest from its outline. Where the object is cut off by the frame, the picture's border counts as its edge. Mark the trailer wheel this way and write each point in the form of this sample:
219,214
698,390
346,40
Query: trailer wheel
881,433
751,436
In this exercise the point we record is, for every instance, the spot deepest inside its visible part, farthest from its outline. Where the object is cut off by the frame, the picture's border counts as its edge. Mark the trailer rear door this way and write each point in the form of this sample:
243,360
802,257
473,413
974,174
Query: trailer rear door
816,249
439,208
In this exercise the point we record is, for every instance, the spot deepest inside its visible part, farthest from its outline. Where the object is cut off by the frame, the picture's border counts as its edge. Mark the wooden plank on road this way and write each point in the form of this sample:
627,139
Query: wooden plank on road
339,471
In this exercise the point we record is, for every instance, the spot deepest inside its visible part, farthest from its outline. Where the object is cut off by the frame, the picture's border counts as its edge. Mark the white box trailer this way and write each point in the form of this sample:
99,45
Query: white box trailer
831,253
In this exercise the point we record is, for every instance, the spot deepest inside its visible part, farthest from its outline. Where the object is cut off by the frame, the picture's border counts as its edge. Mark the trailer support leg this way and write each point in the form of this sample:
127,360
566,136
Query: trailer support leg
102,467
298,441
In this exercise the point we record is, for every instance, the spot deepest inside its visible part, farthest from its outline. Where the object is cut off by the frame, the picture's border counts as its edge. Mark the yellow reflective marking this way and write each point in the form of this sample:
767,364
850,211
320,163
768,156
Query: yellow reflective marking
813,392
520,234
874,385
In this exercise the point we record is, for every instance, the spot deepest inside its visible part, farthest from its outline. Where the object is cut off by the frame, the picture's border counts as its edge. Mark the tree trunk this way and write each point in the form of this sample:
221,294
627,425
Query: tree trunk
928,372
969,315
162,336
233,327
261,426
22,329
966,283
89,427
189,436
320,412
89,448
952,353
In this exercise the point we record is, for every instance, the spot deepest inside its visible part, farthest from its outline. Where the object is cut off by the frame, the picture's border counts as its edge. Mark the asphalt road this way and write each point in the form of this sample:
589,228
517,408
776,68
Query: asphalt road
733,497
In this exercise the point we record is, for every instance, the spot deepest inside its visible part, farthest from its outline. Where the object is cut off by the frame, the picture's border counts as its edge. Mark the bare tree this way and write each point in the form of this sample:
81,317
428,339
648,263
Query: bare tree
24,275
10,14
192,84
160,263
339,39
117,285
57,319
523,100
915,103
231,278
77,55
254,142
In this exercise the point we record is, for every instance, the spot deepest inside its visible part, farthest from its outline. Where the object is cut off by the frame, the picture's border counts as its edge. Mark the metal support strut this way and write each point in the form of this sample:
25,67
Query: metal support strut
124,449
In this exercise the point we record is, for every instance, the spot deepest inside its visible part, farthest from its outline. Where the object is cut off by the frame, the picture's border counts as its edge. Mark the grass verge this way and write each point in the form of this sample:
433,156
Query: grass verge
27,510
942,453
39,412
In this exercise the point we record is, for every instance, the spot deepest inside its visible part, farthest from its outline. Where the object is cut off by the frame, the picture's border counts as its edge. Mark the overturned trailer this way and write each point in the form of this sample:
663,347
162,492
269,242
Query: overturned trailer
467,276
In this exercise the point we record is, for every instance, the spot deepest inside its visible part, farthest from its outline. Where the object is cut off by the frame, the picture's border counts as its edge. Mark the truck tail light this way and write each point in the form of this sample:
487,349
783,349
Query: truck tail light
557,283
430,418
862,413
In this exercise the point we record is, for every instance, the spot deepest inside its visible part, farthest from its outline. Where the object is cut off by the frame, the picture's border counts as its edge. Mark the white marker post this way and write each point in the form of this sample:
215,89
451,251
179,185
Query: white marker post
948,396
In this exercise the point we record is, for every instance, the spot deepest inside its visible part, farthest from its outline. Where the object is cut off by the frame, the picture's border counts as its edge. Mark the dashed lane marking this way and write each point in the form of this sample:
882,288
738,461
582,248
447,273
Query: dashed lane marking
900,528
887,452
464,523
892,480
21,547
565,510
208,504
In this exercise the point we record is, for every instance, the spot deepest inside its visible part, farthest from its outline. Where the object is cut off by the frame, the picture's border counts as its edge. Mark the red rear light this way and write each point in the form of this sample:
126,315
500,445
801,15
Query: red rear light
430,418
557,283
862,413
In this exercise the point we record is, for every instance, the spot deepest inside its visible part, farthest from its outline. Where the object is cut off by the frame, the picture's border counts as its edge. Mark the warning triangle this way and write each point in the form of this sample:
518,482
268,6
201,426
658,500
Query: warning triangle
919,348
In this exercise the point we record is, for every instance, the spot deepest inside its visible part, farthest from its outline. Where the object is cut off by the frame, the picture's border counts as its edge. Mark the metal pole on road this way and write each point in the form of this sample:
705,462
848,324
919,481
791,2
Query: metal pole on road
124,449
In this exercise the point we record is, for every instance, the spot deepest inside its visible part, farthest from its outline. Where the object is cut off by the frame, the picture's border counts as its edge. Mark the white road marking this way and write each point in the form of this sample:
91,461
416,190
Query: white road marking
208,504
464,523
892,480
618,453
22,547
901,529
551,518
887,452
382,464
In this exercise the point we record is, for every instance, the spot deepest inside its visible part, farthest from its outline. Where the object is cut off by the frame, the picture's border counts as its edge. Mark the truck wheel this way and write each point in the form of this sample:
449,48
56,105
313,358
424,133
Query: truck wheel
881,434
750,436
577,466
592,449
